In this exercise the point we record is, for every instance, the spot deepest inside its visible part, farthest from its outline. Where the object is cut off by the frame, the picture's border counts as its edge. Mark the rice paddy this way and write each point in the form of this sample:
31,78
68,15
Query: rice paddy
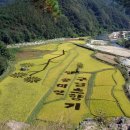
48,88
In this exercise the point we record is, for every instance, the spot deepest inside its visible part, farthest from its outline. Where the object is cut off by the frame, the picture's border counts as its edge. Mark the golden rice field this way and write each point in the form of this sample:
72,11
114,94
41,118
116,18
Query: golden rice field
47,88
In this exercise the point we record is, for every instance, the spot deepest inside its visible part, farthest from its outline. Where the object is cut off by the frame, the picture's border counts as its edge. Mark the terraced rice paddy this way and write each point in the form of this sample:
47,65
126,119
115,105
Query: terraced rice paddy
48,89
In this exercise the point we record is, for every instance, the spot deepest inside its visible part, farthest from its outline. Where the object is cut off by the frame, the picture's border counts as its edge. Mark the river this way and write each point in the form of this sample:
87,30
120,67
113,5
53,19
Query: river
105,37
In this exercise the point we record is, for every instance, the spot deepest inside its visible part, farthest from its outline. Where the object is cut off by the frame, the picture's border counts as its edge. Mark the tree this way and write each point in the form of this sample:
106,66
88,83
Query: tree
5,55
3,65
4,52
79,66
51,6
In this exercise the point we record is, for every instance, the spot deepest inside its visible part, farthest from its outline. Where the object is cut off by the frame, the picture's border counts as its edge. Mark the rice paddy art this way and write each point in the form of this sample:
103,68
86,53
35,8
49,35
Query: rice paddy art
48,88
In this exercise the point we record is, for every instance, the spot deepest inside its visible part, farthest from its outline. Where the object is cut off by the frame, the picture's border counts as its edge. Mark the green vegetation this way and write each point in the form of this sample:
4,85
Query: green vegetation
125,2
90,17
19,26
47,90
79,66
59,83
46,19
124,43
51,6
5,56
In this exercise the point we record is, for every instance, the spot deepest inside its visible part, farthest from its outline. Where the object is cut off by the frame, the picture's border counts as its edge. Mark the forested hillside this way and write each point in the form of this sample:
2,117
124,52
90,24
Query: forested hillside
5,2
92,16
24,21
5,56
126,4
45,19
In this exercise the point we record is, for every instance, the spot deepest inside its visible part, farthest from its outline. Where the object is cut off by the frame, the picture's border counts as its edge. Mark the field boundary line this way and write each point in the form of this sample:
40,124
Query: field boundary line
90,89
93,72
47,64
56,65
102,99
112,92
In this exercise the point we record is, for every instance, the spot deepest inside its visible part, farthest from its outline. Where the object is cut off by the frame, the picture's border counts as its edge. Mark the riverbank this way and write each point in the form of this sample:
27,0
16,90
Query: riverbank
103,46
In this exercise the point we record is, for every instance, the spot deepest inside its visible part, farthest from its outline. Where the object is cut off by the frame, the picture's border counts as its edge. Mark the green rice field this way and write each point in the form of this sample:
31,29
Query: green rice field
47,88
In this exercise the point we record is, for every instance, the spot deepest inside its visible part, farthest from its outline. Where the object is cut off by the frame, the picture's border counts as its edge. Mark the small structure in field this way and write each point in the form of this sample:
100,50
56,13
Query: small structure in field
24,69
63,52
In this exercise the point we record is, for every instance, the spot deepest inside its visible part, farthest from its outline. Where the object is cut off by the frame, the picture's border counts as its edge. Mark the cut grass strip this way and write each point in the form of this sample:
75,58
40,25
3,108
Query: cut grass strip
90,88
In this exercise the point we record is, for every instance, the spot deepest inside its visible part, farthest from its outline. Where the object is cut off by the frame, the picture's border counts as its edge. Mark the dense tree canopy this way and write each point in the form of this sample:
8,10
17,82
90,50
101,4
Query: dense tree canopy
5,56
27,20
125,2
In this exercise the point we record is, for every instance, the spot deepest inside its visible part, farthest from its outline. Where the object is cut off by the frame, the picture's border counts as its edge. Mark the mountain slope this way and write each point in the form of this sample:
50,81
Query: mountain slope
88,15
5,2
36,19
126,4
24,22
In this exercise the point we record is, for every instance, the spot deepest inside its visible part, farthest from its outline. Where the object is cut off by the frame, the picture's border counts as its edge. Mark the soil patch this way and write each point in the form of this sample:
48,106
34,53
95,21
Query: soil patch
30,54
106,57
